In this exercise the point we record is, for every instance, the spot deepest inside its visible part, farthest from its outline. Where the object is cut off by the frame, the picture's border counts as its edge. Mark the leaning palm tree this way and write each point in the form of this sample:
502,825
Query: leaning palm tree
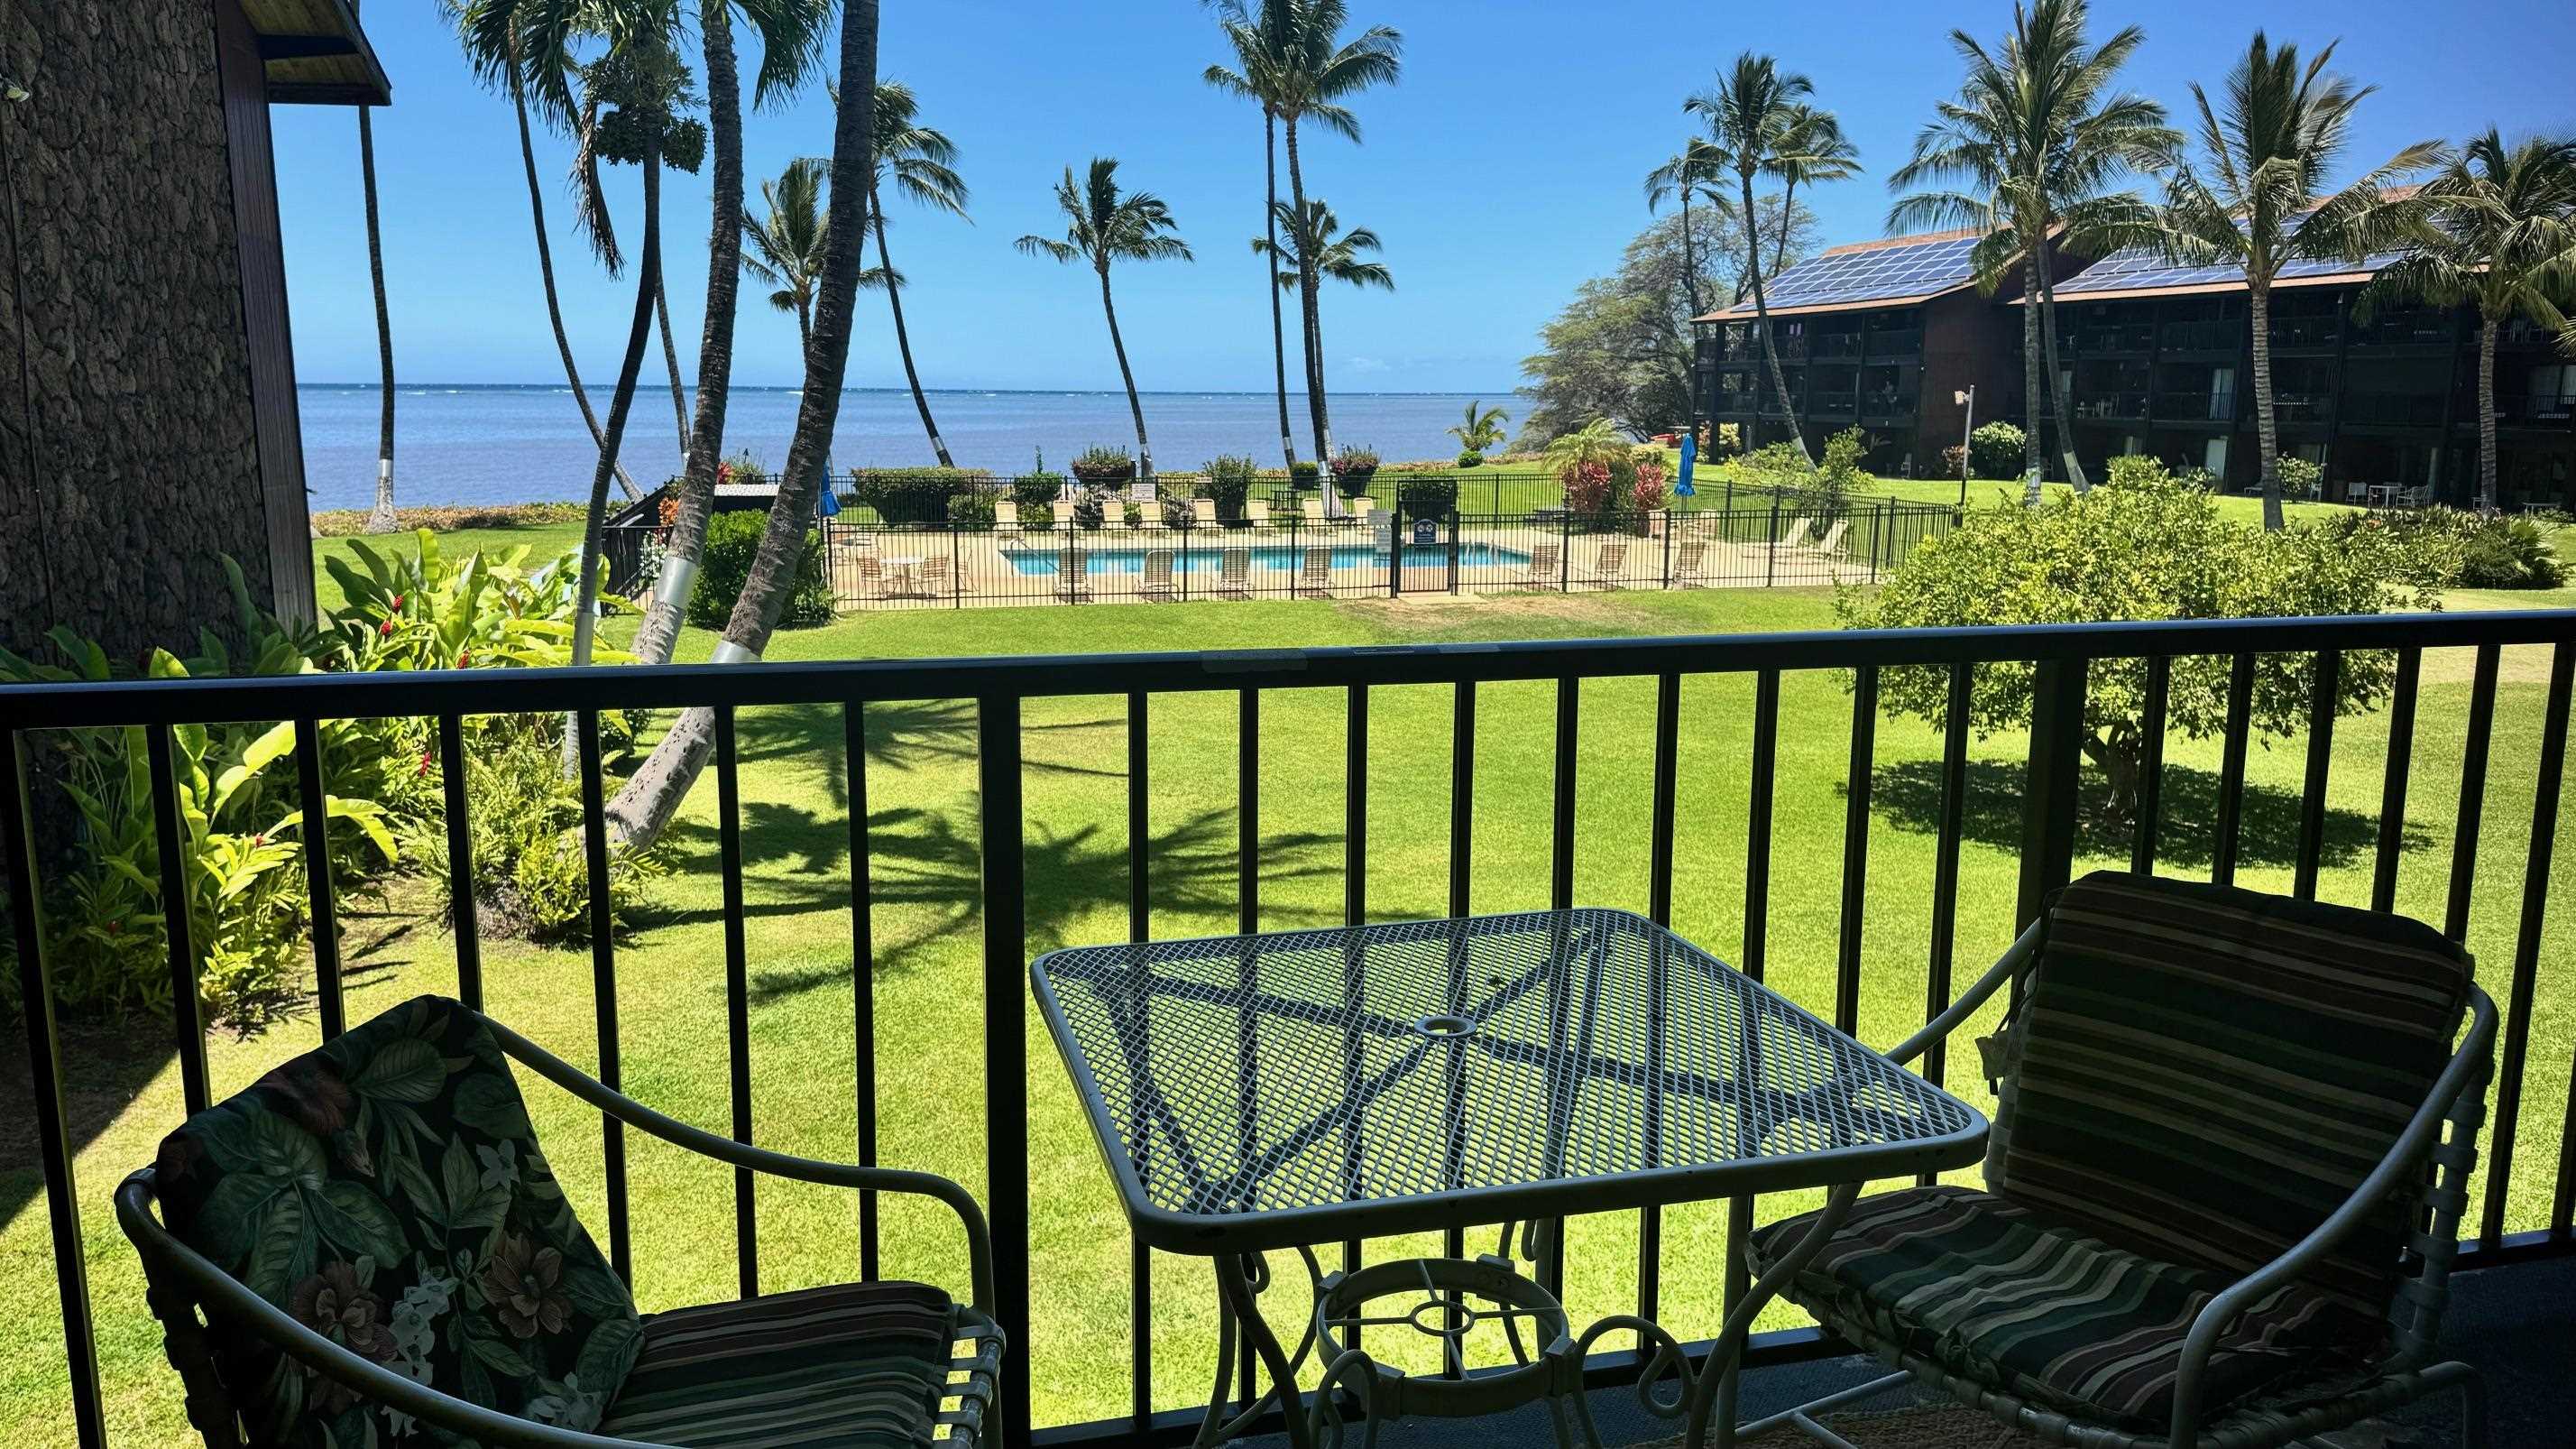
2032,155
1316,246
2258,200
381,519
1309,73
1257,44
2499,234
1751,115
1482,429
785,244
920,162
1104,225
1816,151
1691,171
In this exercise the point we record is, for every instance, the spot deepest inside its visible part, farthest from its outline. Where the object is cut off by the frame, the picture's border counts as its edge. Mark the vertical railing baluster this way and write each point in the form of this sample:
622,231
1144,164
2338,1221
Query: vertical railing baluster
603,984
1659,844
2392,789
2151,765
1355,729
462,922
2473,792
1560,862
1462,821
1945,868
2526,952
1006,1064
863,976
45,1074
2312,793
1140,928
1757,850
746,1228
2049,785
2231,769
171,838
1856,790
1247,812
317,877
1659,909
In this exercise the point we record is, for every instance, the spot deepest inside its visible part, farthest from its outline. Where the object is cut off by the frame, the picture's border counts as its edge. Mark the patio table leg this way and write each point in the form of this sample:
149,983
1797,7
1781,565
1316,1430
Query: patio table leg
1241,1325
1713,1397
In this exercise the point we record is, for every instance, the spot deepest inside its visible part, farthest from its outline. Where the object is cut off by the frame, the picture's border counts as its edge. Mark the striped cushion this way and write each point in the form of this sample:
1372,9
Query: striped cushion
2004,1295
861,1366
2202,1074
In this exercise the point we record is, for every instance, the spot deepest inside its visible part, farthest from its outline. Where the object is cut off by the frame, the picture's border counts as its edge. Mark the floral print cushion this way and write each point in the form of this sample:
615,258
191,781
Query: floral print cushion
387,1191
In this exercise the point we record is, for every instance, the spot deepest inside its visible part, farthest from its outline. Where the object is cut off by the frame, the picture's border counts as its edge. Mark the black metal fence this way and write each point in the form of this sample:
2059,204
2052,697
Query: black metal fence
2045,802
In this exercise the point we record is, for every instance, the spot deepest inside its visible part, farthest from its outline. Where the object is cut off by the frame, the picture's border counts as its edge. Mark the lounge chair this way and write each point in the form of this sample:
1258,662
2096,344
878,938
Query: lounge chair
2223,1189
374,1238
1257,512
1360,508
1312,509
1800,531
1609,565
1315,574
1545,569
1006,516
1073,575
1203,512
1234,574
1689,564
1158,576
1832,543
1063,512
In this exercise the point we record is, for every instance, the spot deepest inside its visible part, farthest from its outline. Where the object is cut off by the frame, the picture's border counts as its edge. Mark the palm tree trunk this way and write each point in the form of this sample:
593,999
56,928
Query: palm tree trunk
2486,415
2267,441
546,271
902,339
659,632
2056,384
1144,452
2032,358
1780,248
1270,279
1690,268
1308,311
1762,321
641,810
585,620
382,519
671,361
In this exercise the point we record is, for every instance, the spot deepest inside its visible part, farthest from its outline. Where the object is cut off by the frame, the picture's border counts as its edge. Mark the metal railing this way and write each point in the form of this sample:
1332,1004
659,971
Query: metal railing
1905,342
2196,407
2304,331
2411,328
1830,346
2215,335
2044,806
2112,405
2396,409
1838,403
2124,337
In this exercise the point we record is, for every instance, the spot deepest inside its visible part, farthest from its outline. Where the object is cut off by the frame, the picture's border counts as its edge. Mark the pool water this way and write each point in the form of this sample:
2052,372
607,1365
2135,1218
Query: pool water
1278,558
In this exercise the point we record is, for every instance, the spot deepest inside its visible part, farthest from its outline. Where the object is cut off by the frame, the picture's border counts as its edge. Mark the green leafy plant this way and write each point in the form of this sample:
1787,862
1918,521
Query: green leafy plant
1995,450
1227,481
1304,474
424,611
530,876
2511,553
1354,463
1482,429
2299,477
1427,496
911,495
1469,458
1104,464
733,540
972,508
1824,492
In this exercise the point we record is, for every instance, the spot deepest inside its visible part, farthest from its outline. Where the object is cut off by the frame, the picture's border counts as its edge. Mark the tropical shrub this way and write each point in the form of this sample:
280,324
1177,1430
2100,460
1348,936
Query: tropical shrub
422,611
2299,477
2457,548
531,877
1427,496
1996,450
1035,494
2510,553
1774,465
1649,492
2141,546
1104,465
1304,474
911,495
1954,458
972,508
733,541
1355,463
1824,491
1227,481
1470,458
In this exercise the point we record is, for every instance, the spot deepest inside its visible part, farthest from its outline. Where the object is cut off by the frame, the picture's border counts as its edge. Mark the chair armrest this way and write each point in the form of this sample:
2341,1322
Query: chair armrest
979,1239
2400,1168
2016,961
237,1305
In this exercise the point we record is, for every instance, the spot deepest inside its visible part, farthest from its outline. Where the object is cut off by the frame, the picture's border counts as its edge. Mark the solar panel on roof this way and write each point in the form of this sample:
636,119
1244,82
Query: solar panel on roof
1911,269
2137,269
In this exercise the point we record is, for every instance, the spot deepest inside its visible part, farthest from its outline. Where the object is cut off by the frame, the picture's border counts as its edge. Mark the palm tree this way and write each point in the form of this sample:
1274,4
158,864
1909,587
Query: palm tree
1816,151
786,246
645,806
2263,204
1256,48
1482,429
493,32
381,520
2031,155
1317,247
921,162
1307,72
2499,234
1687,172
1751,115
1103,225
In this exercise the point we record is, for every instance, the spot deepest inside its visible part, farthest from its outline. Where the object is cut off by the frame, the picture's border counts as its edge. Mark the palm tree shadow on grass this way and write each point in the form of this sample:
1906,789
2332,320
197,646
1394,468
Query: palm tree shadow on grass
900,735
1908,793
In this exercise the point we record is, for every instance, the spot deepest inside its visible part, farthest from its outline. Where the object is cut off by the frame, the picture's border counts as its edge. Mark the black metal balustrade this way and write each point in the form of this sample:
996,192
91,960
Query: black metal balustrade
2046,802
1902,342
2304,332
2112,405
2392,409
2200,407
2219,335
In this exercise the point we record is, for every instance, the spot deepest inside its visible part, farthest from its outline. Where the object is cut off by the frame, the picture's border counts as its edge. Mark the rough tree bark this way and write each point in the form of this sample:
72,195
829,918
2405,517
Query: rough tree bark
671,362
585,620
1762,319
641,809
1117,344
2258,307
2065,406
1309,309
902,338
2486,415
381,520
2031,361
1270,277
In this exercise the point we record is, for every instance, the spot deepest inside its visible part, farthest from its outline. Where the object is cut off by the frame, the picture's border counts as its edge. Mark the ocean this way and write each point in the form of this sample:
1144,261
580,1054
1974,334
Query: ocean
468,444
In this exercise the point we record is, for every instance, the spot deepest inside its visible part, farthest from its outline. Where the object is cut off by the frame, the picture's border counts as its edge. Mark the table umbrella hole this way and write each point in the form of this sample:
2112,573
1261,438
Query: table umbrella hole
1440,1028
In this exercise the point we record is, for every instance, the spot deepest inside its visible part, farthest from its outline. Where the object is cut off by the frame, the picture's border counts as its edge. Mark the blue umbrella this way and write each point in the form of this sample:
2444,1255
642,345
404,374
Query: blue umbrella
829,505
1690,455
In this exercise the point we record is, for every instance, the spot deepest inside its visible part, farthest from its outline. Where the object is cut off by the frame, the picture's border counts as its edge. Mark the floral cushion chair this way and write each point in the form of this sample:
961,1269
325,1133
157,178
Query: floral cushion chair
383,1257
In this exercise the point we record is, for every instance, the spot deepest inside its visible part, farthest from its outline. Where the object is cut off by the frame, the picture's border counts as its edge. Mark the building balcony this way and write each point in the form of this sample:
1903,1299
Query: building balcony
2302,407
2097,341
2111,407
2303,334
2195,407
1886,407
2411,328
1841,403
2525,409
2225,334
1835,346
2392,409
1905,342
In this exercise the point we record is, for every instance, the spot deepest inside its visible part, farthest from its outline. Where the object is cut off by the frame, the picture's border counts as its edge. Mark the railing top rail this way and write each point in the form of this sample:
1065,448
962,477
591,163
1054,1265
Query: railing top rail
475,691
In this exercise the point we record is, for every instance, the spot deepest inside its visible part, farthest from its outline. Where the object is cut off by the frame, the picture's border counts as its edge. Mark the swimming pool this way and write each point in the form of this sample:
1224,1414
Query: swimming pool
1278,558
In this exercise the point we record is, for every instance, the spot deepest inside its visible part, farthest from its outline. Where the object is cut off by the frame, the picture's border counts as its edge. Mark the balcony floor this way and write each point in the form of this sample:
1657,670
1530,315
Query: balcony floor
2517,1323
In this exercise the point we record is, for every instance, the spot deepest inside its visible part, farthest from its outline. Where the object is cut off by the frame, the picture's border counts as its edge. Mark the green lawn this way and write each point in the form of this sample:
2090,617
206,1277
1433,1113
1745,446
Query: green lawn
921,784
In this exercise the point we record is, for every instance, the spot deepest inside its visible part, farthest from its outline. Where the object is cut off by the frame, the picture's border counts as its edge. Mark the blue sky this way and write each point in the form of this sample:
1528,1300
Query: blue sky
1501,172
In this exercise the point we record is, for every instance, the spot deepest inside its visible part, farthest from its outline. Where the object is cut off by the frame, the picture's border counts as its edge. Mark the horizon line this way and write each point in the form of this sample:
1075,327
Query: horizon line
399,386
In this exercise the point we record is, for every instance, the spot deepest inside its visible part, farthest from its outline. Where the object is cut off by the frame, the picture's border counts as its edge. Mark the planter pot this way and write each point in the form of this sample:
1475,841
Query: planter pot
1357,478
1097,476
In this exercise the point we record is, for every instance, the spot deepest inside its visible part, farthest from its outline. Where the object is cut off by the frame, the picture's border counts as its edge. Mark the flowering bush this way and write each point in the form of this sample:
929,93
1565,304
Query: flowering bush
1587,488
1649,494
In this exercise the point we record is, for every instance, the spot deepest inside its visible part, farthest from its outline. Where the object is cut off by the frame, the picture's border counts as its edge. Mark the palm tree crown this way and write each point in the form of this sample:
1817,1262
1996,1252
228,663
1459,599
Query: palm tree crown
1753,115
1482,429
917,160
1103,224
786,245
1317,235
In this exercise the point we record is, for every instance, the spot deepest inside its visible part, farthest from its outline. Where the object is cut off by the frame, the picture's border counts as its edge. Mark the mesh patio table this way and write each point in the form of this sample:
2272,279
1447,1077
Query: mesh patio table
1257,1093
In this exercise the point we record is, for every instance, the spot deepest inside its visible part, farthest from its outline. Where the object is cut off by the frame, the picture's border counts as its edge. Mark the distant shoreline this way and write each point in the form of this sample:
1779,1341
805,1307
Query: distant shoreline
1294,397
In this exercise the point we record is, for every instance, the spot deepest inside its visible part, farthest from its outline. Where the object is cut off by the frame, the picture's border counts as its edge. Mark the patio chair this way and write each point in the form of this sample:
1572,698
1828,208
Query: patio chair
1063,512
2223,1188
936,580
2419,496
1609,565
1158,576
1315,574
374,1238
1690,563
1544,569
1800,531
1073,575
871,571
1360,507
1258,512
1312,510
1203,512
1006,516
1831,544
1234,574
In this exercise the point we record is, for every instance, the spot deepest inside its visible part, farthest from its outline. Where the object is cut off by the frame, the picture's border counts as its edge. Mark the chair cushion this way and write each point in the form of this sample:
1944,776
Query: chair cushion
2007,1296
387,1191
2200,1074
862,1366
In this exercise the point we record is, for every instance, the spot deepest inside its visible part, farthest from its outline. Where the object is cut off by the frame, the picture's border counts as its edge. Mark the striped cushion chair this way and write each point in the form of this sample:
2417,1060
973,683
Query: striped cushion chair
382,1255
2216,1120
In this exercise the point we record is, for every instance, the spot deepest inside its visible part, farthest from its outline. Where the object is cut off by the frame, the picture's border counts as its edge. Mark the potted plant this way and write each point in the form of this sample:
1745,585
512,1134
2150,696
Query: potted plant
1353,467
1104,467
1228,483
1303,475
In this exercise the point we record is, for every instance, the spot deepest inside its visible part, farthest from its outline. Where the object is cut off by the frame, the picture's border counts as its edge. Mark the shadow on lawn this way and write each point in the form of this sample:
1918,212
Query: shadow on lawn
901,735
1908,793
